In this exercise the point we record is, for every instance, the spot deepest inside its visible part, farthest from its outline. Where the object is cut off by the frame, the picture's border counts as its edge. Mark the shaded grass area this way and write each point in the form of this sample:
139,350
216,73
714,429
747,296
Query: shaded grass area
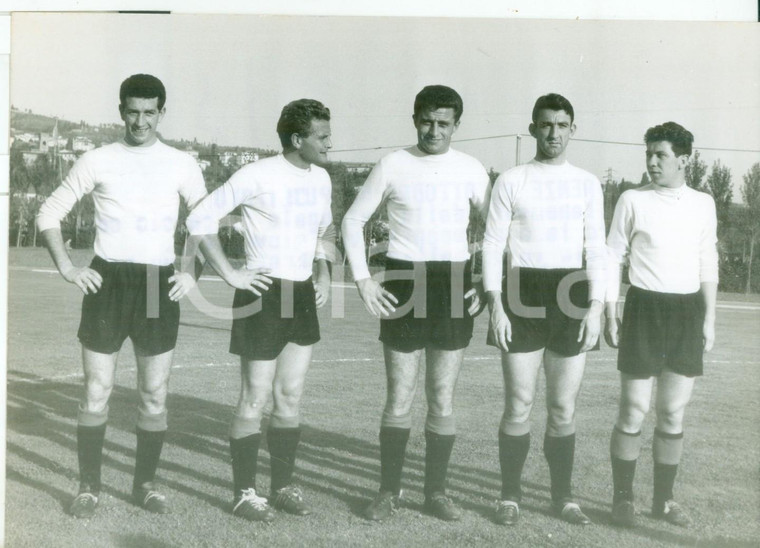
338,461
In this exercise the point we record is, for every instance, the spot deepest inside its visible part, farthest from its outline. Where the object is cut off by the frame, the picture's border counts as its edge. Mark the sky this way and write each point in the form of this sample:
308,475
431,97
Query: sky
228,77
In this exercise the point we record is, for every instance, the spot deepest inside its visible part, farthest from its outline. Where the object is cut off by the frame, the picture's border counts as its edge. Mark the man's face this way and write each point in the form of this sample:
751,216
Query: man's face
141,117
434,130
315,145
552,131
663,166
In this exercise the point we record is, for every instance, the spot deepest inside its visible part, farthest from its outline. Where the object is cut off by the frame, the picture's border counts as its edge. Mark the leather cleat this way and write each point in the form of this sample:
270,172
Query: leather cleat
671,512
383,506
572,513
83,506
507,512
148,498
290,499
442,507
252,507
624,514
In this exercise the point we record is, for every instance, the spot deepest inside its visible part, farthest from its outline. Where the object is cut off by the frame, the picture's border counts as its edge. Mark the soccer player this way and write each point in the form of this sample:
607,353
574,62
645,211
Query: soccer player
666,232
287,225
548,214
428,189
130,288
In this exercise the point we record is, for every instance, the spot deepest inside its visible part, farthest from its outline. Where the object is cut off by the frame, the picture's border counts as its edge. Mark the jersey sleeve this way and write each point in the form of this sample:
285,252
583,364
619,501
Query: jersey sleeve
618,245
326,233
367,201
708,250
481,192
193,187
204,219
497,230
79,182
594,248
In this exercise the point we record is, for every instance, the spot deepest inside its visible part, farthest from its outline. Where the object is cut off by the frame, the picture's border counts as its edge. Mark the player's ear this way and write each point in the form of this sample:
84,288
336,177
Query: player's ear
532,129
161,114
573,127
295,141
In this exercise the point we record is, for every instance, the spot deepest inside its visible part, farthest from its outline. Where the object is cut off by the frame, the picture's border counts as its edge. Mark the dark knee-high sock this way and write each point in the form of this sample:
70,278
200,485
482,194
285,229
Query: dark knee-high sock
393,442
283,436
151,430
439,441
666,449
513,451
624,452
560,454
245,438
91,430
245,456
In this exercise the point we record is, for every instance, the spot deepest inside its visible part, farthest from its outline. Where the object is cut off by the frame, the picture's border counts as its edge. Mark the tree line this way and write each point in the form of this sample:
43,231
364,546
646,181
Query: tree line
738,224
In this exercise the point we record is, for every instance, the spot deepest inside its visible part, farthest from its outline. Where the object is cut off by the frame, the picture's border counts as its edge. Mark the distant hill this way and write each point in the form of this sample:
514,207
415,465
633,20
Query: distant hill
29,122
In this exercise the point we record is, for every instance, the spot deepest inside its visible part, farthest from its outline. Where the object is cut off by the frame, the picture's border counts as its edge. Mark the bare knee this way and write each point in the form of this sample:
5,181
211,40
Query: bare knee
440,399
399,399
153,397
670,418
631,415
287,397
252,401
561,413
518,405
96,396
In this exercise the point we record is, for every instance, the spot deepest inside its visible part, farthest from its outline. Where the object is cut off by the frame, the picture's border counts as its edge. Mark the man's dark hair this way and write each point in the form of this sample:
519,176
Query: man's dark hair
144,86
553,101
435,97
296,117
679,137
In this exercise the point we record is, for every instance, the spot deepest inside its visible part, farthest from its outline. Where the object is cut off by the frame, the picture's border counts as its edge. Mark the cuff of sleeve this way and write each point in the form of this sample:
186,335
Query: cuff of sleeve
202,226
360,272
597,293
47,223
324,255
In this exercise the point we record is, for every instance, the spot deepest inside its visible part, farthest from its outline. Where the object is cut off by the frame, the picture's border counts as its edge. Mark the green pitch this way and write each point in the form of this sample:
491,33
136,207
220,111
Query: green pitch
338,468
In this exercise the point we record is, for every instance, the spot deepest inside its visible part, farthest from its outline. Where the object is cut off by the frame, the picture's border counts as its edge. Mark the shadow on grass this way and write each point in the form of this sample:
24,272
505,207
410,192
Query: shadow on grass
139,541
336,465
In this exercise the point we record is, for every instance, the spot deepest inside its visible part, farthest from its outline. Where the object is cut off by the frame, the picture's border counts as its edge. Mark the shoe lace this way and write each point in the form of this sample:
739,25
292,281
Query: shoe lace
671,506
82,497
292,492
505,504
150,495
249,495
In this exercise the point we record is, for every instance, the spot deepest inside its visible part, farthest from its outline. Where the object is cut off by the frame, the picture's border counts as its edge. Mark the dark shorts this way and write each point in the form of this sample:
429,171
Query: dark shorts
434,316
287,312
133,302
661,331
556,323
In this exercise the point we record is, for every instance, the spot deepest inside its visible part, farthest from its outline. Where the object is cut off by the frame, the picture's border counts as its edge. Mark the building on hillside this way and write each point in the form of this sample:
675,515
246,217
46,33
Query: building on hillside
48,141
81,144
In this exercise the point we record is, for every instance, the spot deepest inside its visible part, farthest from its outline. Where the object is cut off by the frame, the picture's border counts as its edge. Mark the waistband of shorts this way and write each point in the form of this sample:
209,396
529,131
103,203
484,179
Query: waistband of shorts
663,295
97,260
403,264
280,281
546,271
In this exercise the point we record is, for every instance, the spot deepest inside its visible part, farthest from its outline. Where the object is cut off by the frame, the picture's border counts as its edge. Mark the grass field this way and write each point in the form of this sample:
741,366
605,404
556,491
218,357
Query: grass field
719,481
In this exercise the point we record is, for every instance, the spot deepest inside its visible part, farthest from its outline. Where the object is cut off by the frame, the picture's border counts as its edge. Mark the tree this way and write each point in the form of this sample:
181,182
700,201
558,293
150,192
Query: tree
719,186
751,220
695,171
